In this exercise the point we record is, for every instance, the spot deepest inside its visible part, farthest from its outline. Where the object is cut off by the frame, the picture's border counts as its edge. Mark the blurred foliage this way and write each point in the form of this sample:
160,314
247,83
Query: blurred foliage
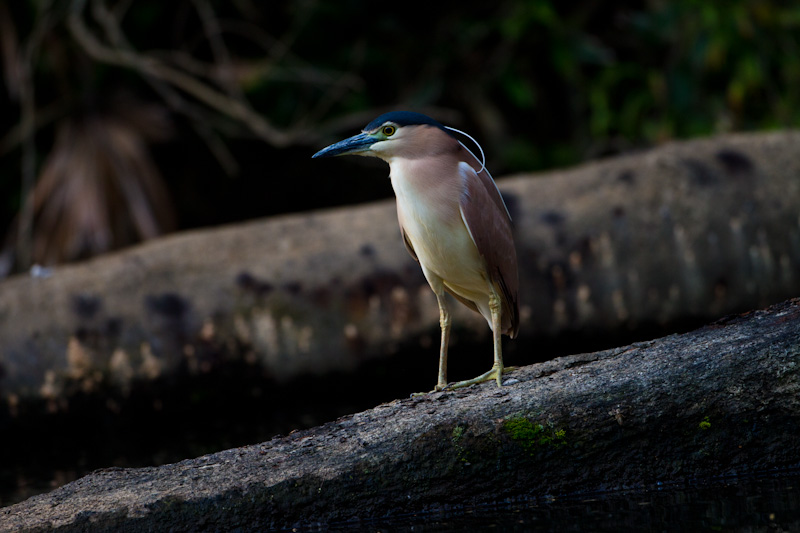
249,89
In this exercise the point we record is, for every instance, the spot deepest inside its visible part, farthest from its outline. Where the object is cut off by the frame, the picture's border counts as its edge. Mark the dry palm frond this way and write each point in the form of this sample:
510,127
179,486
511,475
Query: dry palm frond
99,189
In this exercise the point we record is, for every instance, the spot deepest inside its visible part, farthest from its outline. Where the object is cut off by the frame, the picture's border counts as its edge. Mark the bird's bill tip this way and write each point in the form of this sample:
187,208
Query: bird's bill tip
353,145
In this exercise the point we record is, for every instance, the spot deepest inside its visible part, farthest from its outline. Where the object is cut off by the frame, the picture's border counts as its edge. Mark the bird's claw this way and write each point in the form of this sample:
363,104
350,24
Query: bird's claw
487,376
495,373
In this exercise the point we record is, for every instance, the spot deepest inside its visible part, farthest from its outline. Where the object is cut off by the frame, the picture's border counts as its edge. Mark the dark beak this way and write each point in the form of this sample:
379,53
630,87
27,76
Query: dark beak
354,145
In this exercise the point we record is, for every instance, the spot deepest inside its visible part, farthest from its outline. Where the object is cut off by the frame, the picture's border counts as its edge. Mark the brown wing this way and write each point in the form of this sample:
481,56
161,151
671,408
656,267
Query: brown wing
489,224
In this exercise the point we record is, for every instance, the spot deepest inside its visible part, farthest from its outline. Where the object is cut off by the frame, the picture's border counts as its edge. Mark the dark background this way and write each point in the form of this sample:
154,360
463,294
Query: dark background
125,120
540,84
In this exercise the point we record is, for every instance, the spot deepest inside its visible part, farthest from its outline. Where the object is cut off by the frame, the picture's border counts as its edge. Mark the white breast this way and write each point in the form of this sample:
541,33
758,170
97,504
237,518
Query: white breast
432,220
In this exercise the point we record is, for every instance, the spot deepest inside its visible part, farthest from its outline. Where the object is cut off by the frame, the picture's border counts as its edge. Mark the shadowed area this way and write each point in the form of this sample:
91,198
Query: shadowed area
683,406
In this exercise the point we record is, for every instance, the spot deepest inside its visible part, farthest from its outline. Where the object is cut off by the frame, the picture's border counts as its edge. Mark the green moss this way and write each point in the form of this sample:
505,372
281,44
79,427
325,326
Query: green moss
534,437
463,453
705,424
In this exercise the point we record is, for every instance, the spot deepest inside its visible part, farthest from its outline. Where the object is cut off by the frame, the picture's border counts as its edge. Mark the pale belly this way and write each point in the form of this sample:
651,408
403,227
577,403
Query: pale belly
444,247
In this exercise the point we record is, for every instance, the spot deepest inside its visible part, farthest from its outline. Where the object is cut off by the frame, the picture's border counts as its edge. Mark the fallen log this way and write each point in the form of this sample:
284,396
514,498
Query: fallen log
722,400
691,229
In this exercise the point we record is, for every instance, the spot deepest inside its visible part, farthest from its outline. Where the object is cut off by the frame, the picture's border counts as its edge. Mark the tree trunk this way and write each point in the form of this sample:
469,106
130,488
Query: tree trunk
721,400
693,229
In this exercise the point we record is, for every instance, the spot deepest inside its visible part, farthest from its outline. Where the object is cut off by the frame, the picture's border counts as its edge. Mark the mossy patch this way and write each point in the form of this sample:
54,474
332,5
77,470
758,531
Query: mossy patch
461,451
705,424
533,437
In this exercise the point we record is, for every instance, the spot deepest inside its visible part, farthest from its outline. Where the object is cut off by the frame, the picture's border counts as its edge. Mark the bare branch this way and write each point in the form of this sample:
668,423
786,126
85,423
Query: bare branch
109,21
221,56
151,67
110,24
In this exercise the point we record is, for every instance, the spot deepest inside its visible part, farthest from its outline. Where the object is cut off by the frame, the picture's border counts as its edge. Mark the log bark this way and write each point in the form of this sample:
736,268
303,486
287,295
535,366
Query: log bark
692,229
722,400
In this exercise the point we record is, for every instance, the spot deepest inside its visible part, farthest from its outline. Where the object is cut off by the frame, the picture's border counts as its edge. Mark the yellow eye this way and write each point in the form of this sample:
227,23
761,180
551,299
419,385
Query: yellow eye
388,130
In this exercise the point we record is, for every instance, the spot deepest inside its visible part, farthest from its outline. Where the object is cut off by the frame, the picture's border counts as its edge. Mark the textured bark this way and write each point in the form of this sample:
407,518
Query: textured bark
722,400
693,229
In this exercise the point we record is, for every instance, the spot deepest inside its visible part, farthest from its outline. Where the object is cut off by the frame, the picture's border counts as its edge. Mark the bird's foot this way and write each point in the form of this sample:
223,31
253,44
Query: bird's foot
439,388
486,376
496,373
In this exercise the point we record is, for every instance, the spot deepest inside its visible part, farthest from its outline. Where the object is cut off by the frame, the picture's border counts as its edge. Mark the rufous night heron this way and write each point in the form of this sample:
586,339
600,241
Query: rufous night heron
453,221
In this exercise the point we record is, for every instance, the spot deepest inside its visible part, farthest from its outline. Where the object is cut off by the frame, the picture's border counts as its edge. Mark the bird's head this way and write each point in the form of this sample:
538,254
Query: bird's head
395,134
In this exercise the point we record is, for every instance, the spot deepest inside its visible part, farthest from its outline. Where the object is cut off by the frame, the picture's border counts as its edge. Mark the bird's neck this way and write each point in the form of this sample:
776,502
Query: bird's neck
427,187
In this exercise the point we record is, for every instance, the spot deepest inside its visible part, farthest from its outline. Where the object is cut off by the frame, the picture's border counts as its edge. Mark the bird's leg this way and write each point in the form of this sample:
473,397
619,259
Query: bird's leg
498,369
444,323
496,309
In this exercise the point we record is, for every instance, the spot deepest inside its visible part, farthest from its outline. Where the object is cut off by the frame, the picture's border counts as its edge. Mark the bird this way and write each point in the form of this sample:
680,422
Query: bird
453,221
